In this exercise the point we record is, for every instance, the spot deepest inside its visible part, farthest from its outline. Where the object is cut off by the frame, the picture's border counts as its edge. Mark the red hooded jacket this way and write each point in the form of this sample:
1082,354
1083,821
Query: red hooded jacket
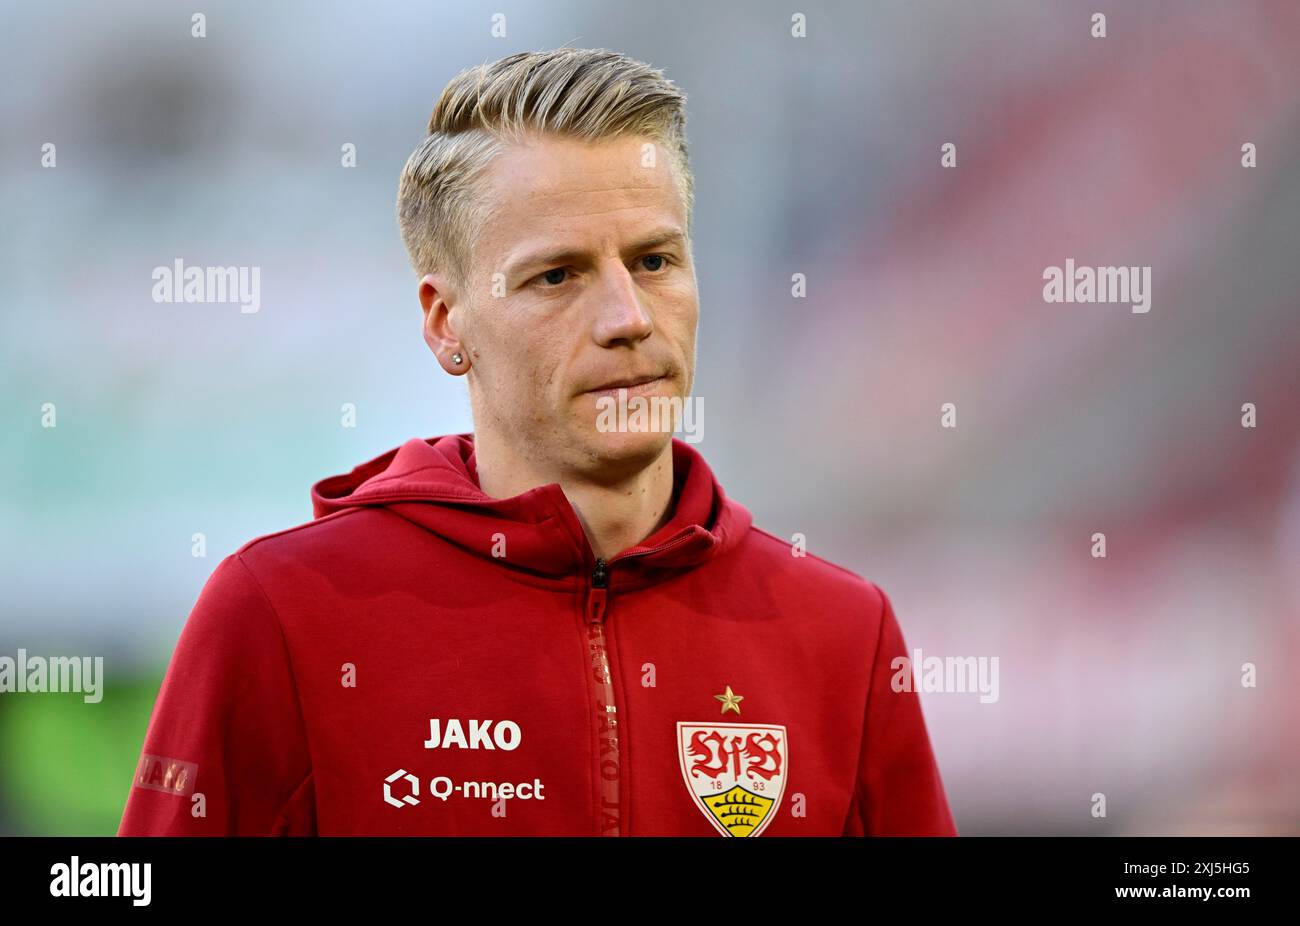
423,659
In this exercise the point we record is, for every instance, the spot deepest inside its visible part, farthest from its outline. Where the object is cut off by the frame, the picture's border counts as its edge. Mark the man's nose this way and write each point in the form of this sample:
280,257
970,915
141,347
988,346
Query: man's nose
621,316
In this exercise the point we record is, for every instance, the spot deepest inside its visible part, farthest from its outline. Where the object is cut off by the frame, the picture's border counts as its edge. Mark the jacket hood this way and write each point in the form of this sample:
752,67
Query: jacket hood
434,483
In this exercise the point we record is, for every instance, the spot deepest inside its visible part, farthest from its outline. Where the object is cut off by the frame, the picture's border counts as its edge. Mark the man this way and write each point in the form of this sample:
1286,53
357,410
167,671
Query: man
550,625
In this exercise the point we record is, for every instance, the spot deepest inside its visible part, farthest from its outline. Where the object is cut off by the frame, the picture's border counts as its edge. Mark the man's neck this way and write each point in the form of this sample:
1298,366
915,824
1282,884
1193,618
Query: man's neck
615,516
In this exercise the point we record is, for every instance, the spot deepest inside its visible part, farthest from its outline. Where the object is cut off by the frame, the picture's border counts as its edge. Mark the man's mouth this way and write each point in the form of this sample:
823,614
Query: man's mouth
633,383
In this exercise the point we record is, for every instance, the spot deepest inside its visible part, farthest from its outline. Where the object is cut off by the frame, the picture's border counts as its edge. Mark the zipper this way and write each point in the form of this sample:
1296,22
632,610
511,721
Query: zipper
607,759
606,706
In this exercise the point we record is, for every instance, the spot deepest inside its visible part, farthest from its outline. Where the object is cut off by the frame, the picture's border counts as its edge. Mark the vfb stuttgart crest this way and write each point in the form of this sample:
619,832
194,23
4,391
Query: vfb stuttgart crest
735,771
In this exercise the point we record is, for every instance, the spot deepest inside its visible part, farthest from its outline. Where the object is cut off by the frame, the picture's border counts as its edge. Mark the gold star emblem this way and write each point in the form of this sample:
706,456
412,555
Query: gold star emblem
730,701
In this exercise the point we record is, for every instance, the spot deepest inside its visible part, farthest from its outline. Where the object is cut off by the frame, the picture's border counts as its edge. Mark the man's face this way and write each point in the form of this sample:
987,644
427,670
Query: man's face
596,287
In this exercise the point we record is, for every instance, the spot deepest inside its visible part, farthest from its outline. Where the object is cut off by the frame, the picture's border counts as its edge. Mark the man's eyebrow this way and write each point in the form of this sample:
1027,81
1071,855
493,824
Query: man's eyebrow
570,255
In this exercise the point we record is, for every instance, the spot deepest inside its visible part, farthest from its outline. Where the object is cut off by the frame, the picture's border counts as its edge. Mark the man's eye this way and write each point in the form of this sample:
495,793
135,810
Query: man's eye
551,277
656,257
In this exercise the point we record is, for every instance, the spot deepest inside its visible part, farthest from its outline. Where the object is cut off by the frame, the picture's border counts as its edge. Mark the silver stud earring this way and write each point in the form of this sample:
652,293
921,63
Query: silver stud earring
456,359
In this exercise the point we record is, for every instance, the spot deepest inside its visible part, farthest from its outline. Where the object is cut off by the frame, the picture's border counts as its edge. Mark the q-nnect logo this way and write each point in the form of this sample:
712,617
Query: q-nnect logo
406,799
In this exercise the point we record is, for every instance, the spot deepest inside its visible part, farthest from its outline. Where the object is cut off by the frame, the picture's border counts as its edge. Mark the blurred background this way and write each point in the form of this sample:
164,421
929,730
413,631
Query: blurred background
816,155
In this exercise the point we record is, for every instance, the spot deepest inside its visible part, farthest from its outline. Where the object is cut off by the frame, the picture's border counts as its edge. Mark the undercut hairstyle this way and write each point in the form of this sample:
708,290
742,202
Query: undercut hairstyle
582,93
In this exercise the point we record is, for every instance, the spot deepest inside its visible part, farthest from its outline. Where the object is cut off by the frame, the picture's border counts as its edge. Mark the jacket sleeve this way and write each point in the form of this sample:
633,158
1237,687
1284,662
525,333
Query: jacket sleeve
225,753
899,791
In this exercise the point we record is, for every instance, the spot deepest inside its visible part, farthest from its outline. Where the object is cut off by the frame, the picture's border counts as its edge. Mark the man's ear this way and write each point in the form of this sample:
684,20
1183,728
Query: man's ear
437,299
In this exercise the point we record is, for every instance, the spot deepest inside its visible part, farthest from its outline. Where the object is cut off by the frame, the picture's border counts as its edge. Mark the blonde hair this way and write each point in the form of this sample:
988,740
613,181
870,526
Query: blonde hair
584,93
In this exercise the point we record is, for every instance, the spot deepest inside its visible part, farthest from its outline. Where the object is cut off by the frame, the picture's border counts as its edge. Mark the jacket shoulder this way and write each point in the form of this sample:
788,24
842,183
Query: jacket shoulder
780,559
316,542
778,549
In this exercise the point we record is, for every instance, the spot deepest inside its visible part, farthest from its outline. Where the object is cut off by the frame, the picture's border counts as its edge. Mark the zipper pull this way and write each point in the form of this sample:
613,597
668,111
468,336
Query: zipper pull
596,600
